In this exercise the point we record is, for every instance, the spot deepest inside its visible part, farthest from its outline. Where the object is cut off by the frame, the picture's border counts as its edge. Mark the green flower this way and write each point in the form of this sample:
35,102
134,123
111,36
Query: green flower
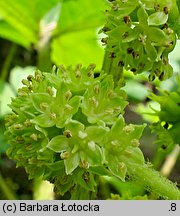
67,127
169,106
76,148
168,126
102,103
77,79
121,147
55,110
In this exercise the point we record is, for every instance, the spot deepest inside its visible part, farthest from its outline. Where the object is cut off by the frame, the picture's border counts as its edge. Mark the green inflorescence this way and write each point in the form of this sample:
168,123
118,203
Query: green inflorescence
168,126
139,36
67,127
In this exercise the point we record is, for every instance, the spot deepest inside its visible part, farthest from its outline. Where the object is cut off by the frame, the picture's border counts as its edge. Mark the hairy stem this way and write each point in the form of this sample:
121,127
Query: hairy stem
154,182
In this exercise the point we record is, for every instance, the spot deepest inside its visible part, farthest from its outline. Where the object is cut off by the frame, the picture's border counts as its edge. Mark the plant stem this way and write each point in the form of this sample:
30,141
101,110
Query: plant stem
111,65
154,182
6,190
44,62
7,64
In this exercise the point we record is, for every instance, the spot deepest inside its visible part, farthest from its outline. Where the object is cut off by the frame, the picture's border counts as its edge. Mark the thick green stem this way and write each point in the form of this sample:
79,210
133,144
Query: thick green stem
7,64
44,62
6,190
154,182
112,65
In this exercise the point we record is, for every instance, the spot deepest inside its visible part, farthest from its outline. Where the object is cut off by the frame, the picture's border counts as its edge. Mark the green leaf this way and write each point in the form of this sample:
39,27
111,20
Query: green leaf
71,163
17,15
157,18
21,19
44,7
85,46
77,28
80,15
59,144
8,32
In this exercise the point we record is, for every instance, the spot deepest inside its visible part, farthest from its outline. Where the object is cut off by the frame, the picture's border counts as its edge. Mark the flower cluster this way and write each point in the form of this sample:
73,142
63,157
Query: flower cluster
168,126
67,126
139,37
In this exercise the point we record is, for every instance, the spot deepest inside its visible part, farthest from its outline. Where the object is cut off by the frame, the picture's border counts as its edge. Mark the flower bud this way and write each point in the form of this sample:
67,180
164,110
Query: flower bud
115,142
128,153
96,89
67,133
50,90
53,116
121,166
68,95
30,78
128,129
111,94
34,137
44,106
65,155
93,101
135,143
84,164
109,111
25,82
18,127
68,108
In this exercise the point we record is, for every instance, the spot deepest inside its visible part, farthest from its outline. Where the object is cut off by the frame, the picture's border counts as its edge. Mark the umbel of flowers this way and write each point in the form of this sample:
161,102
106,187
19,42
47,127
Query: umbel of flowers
67,127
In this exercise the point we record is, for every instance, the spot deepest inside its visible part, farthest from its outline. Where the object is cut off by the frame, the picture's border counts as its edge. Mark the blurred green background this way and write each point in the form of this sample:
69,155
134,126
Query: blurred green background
41,33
